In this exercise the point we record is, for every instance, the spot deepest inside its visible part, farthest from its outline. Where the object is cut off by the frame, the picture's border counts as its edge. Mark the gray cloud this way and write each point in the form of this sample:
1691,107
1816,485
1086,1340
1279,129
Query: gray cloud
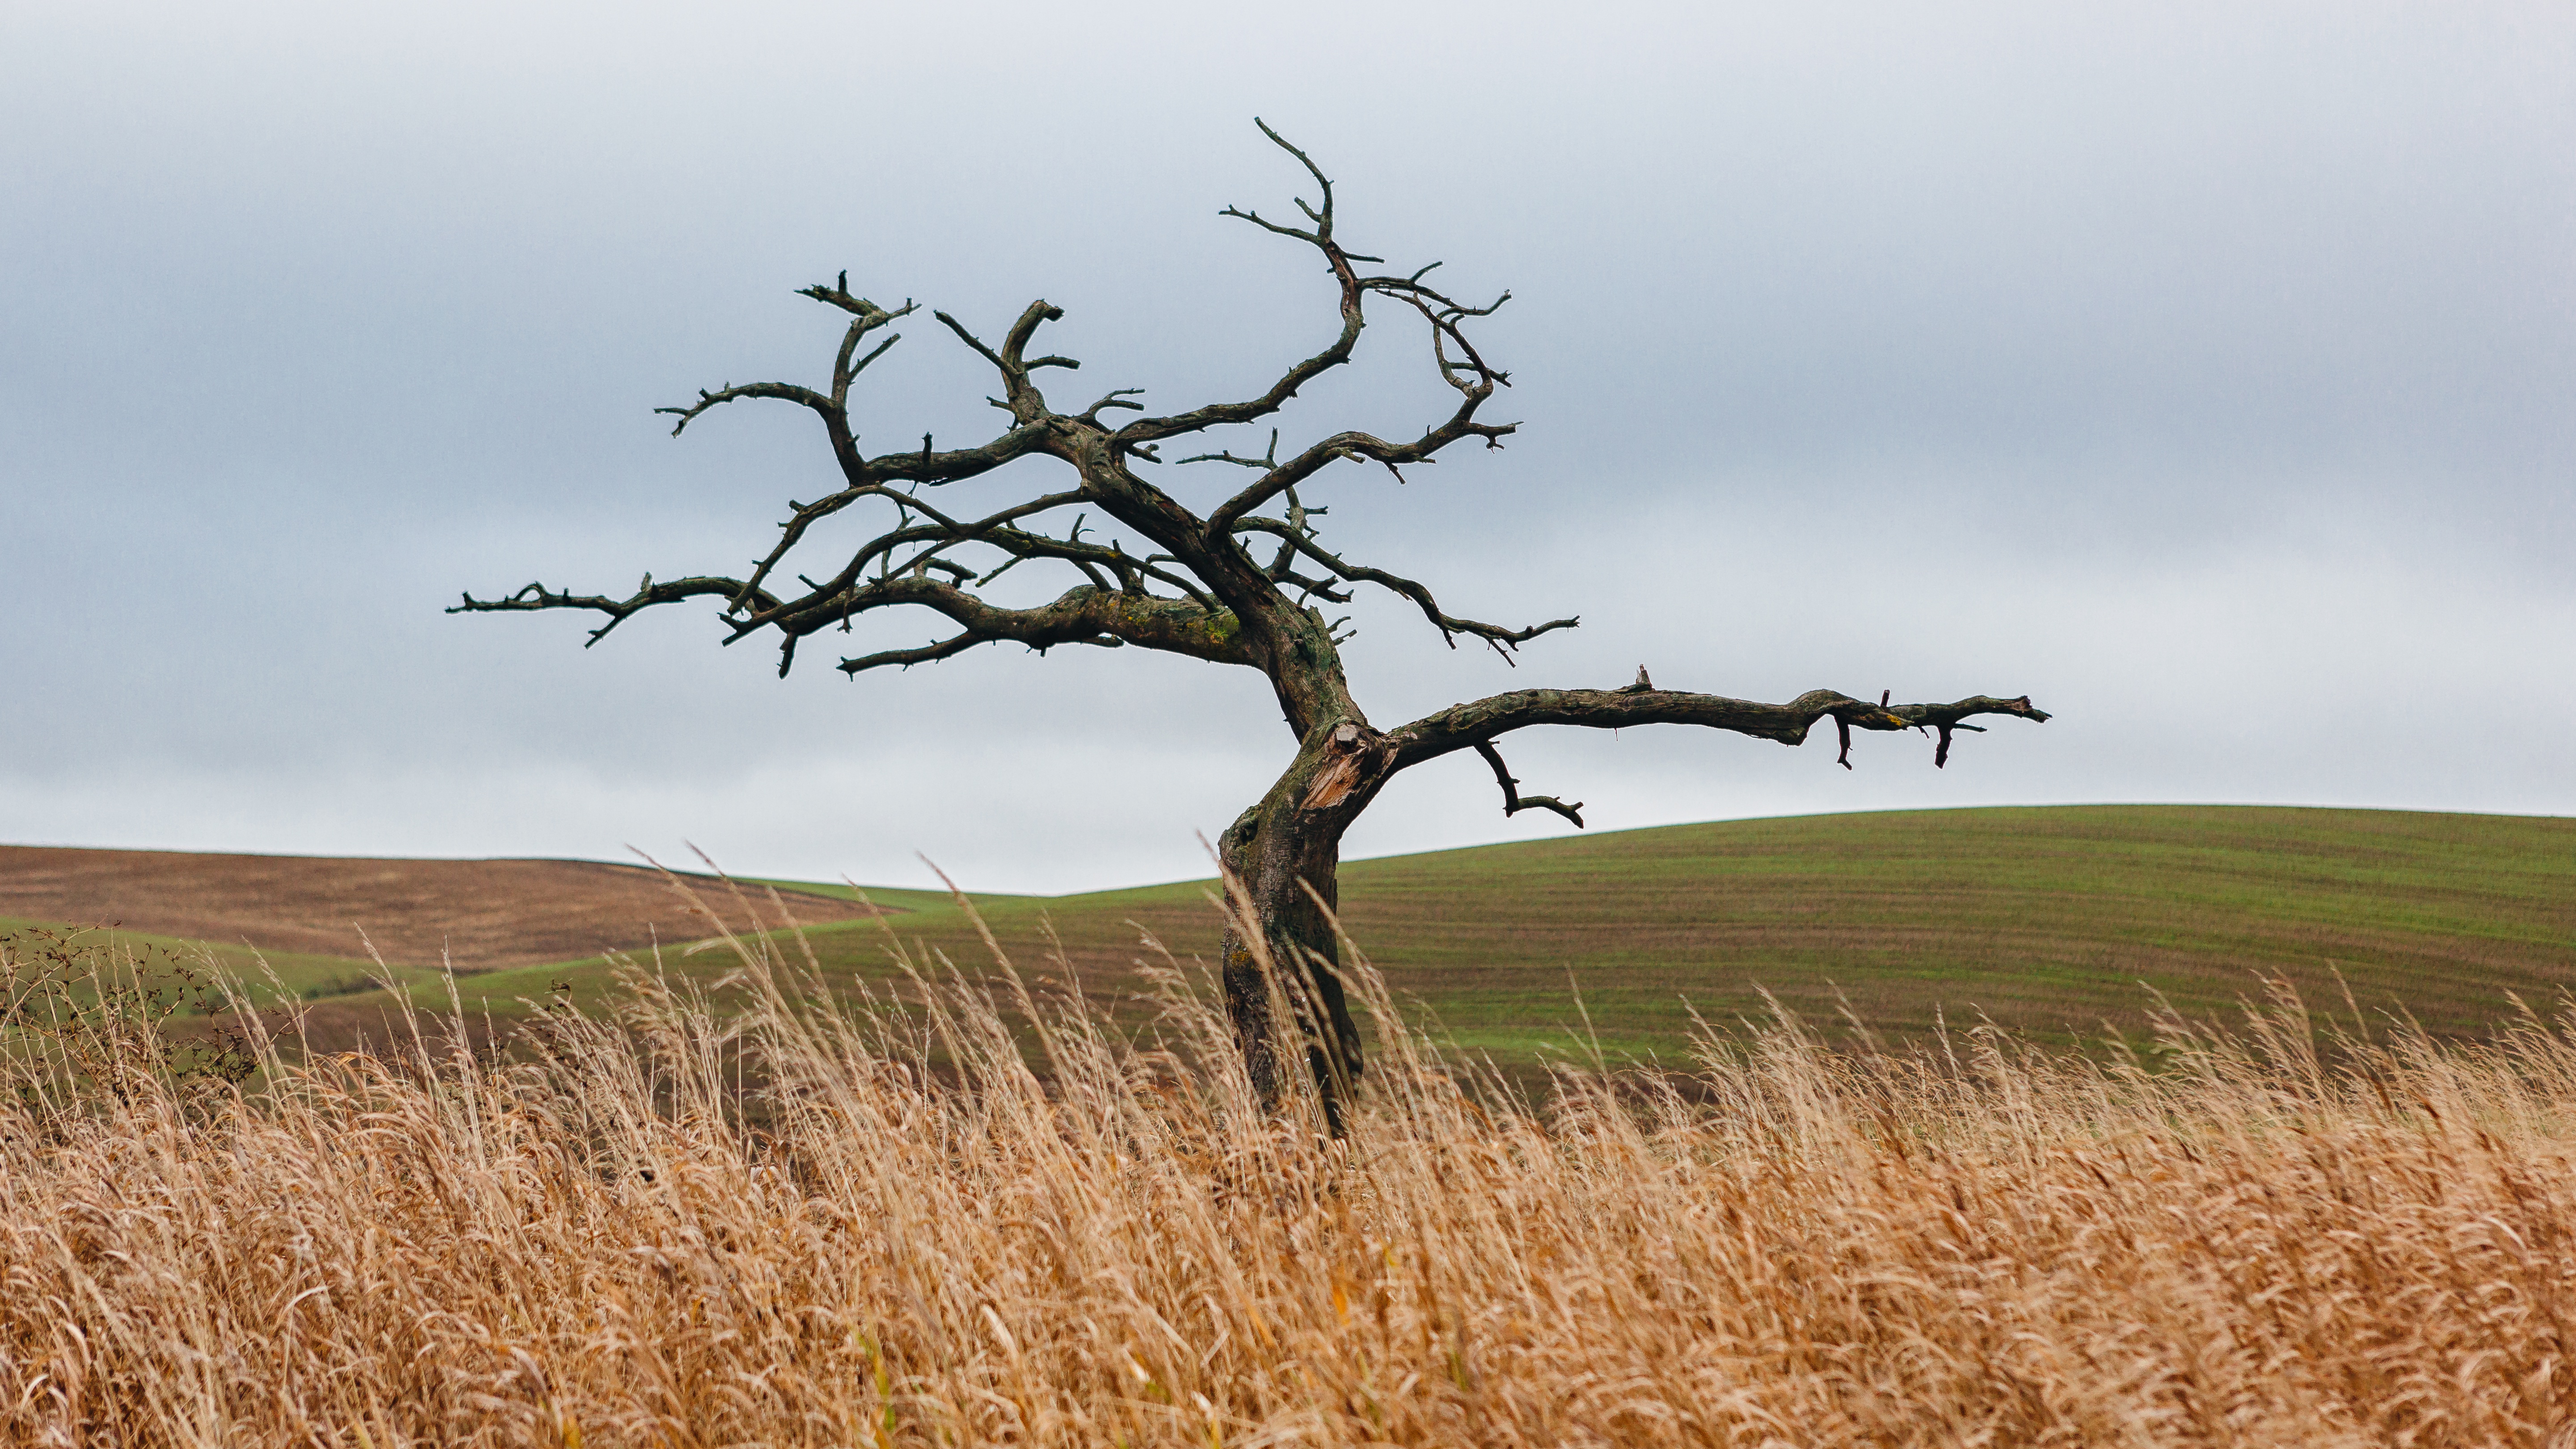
2203,371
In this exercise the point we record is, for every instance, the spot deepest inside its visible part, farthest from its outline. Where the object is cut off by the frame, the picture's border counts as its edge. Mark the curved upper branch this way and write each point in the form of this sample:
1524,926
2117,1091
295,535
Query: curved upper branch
1359,447
1464,370
1500,639
1345,276
832,408
925,465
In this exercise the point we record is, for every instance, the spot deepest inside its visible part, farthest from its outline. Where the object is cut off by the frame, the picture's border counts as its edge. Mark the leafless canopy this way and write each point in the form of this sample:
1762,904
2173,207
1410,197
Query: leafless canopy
939,557
1203,578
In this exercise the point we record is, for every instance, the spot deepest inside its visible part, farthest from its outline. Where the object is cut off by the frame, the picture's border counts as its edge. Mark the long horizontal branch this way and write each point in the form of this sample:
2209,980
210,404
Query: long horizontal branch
646,595
766,608
1086,614
1464,726
925,465
1946,717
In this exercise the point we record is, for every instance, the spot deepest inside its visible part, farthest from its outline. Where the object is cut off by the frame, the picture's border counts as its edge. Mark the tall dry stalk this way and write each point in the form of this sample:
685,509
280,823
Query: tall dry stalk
968,1216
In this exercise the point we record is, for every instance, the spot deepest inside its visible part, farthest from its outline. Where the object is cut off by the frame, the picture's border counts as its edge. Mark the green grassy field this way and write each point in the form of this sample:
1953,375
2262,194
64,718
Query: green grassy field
2051,921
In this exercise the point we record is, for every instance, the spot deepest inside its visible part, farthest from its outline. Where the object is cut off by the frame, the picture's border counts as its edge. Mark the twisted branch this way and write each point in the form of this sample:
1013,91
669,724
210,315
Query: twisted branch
1501,640
1514,802
1107,618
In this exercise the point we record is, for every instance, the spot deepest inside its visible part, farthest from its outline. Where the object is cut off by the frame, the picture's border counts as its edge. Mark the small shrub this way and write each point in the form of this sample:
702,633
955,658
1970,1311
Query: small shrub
83,1018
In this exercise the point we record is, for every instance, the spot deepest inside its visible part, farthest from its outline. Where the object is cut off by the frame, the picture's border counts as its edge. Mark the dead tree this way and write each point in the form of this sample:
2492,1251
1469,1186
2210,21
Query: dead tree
1239,583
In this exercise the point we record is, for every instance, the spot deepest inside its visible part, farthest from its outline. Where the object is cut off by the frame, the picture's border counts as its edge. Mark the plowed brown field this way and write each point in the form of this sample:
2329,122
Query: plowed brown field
482,914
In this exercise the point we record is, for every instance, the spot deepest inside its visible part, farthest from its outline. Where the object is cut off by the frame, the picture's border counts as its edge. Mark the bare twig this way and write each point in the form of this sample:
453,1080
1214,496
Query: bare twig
1514,802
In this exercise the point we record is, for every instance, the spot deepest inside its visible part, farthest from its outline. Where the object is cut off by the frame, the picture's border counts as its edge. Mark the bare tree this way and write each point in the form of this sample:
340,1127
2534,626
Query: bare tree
1199,586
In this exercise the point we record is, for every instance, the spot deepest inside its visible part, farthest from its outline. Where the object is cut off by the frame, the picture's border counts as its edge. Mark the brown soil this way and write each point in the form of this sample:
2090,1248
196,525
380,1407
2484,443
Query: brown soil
482,913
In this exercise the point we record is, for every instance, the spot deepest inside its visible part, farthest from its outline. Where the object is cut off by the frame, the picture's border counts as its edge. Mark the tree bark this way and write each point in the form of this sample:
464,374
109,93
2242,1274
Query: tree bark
1281,859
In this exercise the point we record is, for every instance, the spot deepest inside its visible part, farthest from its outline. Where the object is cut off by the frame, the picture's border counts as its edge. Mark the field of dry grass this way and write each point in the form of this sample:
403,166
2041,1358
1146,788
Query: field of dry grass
870,1222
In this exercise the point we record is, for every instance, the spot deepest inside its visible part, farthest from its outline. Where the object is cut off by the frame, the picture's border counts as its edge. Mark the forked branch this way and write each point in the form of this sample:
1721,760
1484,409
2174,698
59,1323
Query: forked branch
1514,802
1502,640
832,408
1465,370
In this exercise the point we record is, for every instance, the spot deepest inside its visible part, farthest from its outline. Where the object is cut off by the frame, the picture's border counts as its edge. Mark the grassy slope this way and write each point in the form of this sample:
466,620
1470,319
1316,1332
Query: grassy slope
2046,920
304,976
2043,919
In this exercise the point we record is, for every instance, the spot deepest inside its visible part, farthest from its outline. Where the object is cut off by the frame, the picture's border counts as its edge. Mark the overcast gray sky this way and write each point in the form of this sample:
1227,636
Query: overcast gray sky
2202,370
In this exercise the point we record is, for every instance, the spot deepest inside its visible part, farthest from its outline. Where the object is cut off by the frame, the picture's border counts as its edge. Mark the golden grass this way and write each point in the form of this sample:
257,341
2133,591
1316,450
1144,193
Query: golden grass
870,1223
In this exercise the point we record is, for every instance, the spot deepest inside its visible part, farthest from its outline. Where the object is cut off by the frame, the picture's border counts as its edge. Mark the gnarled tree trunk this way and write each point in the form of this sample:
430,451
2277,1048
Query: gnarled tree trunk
1281,859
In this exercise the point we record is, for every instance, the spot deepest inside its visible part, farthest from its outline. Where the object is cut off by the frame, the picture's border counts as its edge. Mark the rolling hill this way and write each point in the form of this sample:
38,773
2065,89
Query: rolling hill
2054,921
